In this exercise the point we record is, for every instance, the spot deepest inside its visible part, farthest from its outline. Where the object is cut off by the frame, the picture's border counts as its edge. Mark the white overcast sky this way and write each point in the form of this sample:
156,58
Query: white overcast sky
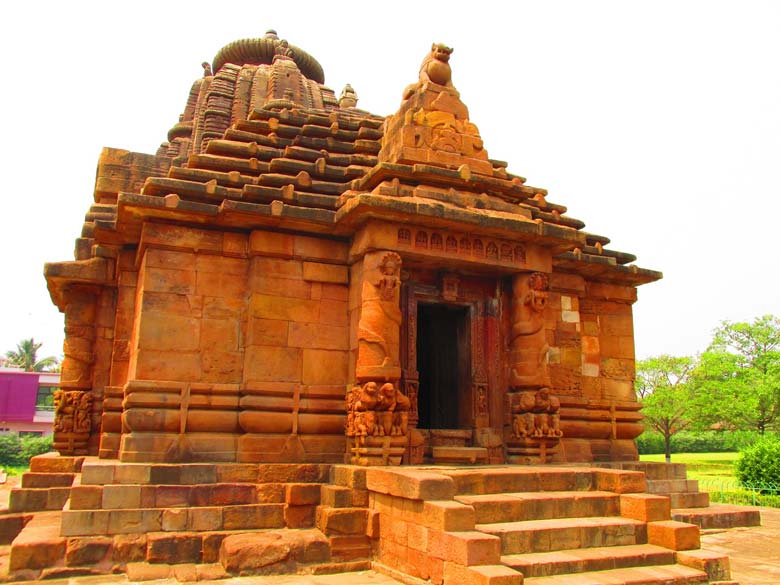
657,123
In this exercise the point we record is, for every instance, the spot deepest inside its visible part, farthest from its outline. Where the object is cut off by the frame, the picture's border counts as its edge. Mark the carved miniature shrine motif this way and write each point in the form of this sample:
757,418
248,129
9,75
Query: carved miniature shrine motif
462,246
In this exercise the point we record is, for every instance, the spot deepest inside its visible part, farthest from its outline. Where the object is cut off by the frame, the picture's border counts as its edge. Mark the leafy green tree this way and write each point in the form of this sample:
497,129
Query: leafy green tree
26,357
666,389
740,376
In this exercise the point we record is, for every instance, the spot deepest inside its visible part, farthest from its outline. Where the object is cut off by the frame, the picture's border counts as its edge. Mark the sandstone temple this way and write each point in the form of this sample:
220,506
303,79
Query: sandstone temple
357,336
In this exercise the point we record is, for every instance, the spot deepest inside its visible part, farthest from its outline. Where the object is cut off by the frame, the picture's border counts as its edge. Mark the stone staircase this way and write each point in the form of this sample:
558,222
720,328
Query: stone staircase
36,502
501,525
688,503
580,533
195,521
556,526
47,485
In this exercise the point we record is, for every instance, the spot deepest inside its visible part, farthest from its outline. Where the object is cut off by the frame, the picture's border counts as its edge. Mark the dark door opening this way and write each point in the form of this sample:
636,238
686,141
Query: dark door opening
443,363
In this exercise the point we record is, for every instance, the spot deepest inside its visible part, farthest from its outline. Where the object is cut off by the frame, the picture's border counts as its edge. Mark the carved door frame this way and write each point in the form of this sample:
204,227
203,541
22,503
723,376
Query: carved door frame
447,292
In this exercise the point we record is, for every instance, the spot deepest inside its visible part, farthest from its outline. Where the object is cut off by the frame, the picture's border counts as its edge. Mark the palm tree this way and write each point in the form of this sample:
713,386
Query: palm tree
25,357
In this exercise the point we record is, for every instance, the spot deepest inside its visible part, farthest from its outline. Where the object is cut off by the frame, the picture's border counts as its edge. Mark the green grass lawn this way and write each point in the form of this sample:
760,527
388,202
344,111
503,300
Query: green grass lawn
708,468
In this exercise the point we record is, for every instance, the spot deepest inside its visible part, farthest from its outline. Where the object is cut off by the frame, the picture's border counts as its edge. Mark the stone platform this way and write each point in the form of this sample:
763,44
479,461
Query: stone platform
486,525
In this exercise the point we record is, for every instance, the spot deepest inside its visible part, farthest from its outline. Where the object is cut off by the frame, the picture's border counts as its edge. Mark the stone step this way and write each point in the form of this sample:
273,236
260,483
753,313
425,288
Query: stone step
533,479
103,472
336,496
161,555
672,486
56,463
44,480
565,533
715,564
652,470
509,507
116,496
11,525
448,455
349,548
342,521
145,520
666,574
719,516
281,552
37,499
588,559
689,500
39,544
349,572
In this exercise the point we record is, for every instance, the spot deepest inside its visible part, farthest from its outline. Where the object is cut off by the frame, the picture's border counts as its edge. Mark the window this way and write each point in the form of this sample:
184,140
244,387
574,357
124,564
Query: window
45,399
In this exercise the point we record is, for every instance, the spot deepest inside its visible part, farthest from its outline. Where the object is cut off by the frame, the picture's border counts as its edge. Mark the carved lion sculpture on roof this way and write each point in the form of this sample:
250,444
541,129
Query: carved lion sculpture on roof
435,68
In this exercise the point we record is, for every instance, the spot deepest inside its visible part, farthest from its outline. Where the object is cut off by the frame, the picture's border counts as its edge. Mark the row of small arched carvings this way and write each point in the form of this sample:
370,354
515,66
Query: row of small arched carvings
465,246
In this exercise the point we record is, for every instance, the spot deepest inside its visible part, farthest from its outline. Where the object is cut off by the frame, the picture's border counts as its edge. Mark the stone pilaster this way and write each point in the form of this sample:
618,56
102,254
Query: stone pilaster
73,401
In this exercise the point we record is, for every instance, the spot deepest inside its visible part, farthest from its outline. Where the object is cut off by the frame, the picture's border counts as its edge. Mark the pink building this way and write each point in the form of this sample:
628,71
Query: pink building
27,401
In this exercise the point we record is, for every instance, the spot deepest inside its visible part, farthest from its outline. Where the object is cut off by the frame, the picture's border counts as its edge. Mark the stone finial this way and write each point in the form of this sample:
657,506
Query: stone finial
283,49
206,69
348,97
271,34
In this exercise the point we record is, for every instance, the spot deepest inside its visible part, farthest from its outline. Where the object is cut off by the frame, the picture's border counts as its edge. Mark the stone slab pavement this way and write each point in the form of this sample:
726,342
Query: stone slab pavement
754,551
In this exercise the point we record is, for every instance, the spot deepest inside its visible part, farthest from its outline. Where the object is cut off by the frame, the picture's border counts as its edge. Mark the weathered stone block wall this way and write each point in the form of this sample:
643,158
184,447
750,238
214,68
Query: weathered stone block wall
591,338
238,349
296,366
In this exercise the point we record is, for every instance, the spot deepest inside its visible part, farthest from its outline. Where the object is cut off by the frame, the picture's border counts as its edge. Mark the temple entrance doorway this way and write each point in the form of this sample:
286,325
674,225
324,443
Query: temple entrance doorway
450,359
444,366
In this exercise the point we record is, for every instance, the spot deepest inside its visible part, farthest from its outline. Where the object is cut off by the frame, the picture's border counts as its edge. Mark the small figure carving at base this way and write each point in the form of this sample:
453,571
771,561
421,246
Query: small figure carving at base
374,411
401,417
365,415
535,415
386,406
